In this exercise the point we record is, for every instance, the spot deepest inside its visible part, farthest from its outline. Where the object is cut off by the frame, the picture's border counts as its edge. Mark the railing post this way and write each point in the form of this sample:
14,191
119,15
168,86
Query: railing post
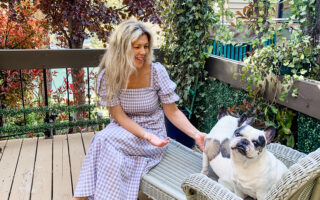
89,96
22,96
68,101
47,132
52,119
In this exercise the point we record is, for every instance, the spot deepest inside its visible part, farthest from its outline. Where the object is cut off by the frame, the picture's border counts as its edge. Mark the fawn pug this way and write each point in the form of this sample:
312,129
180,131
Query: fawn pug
255,169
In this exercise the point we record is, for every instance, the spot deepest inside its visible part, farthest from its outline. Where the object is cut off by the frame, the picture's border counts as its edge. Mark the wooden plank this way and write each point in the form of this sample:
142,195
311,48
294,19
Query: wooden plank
3,144
87,137
8,166
61,169
76,156
23,178
41,188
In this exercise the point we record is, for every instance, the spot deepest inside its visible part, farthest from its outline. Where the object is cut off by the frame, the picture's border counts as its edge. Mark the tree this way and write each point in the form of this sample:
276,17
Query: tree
19,29
74,21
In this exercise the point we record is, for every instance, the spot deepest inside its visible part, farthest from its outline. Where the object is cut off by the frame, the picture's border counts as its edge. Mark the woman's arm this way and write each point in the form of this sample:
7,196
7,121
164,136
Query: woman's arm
123,120
176,117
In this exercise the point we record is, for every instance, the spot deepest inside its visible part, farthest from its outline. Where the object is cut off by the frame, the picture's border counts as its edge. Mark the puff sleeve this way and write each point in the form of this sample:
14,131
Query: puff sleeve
102,91
165,85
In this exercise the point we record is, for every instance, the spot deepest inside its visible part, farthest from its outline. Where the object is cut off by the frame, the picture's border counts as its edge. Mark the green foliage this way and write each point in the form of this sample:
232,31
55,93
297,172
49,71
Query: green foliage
45,126
297,57
266,114
305,12
308,133
34,121
44,109
186,33
218,94
257,16
238,102
282,119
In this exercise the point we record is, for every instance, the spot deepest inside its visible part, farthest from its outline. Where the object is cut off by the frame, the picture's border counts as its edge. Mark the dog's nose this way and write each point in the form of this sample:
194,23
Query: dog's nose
241,147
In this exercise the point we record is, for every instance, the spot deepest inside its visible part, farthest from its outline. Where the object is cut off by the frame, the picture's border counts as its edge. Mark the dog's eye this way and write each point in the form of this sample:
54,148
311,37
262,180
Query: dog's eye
237,134
255,143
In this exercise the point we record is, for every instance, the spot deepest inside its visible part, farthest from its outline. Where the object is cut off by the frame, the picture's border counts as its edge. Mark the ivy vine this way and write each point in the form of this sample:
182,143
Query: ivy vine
186,38
294,60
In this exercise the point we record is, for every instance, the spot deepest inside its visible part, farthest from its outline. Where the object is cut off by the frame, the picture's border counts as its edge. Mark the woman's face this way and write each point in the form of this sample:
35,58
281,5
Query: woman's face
140,51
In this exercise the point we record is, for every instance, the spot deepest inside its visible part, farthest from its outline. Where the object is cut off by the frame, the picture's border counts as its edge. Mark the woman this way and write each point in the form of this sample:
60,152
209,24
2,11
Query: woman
131,87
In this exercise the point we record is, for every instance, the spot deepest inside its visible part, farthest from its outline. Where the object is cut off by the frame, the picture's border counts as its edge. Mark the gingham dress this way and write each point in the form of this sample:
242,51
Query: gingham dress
116,158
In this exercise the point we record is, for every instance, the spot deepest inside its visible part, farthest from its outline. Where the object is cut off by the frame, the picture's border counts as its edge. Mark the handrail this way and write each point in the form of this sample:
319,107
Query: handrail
15,59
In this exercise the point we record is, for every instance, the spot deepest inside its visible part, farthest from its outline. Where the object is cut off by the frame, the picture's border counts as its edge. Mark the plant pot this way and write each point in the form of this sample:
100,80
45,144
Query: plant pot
174,133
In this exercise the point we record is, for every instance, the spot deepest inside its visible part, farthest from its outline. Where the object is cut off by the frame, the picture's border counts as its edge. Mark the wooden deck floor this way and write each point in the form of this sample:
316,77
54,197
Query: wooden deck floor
42,169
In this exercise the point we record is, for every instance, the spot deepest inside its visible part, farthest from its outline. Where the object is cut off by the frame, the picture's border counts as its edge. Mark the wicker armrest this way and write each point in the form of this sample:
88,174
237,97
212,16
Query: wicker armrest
199,186
300,181
286,154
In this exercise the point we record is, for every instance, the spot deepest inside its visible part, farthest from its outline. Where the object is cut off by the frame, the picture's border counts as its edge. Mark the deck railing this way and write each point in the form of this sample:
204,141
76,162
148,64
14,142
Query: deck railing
46,60
218,67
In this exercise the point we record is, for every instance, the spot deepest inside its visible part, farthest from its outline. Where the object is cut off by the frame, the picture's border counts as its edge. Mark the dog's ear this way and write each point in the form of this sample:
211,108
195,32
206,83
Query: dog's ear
244,120
270,132
222,112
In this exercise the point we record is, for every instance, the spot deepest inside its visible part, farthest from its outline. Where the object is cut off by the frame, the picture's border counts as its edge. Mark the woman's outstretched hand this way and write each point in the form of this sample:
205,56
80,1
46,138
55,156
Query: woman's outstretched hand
155,140
199,138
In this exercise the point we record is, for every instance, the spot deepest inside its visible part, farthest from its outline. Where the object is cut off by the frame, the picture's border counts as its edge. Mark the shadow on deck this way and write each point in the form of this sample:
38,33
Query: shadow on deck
40,169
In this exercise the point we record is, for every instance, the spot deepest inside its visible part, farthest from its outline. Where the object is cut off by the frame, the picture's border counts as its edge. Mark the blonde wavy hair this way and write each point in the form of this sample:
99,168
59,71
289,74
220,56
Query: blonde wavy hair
118,61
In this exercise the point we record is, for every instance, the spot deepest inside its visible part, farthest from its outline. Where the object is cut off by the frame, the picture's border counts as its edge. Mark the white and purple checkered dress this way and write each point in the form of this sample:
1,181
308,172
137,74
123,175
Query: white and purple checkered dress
117,159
